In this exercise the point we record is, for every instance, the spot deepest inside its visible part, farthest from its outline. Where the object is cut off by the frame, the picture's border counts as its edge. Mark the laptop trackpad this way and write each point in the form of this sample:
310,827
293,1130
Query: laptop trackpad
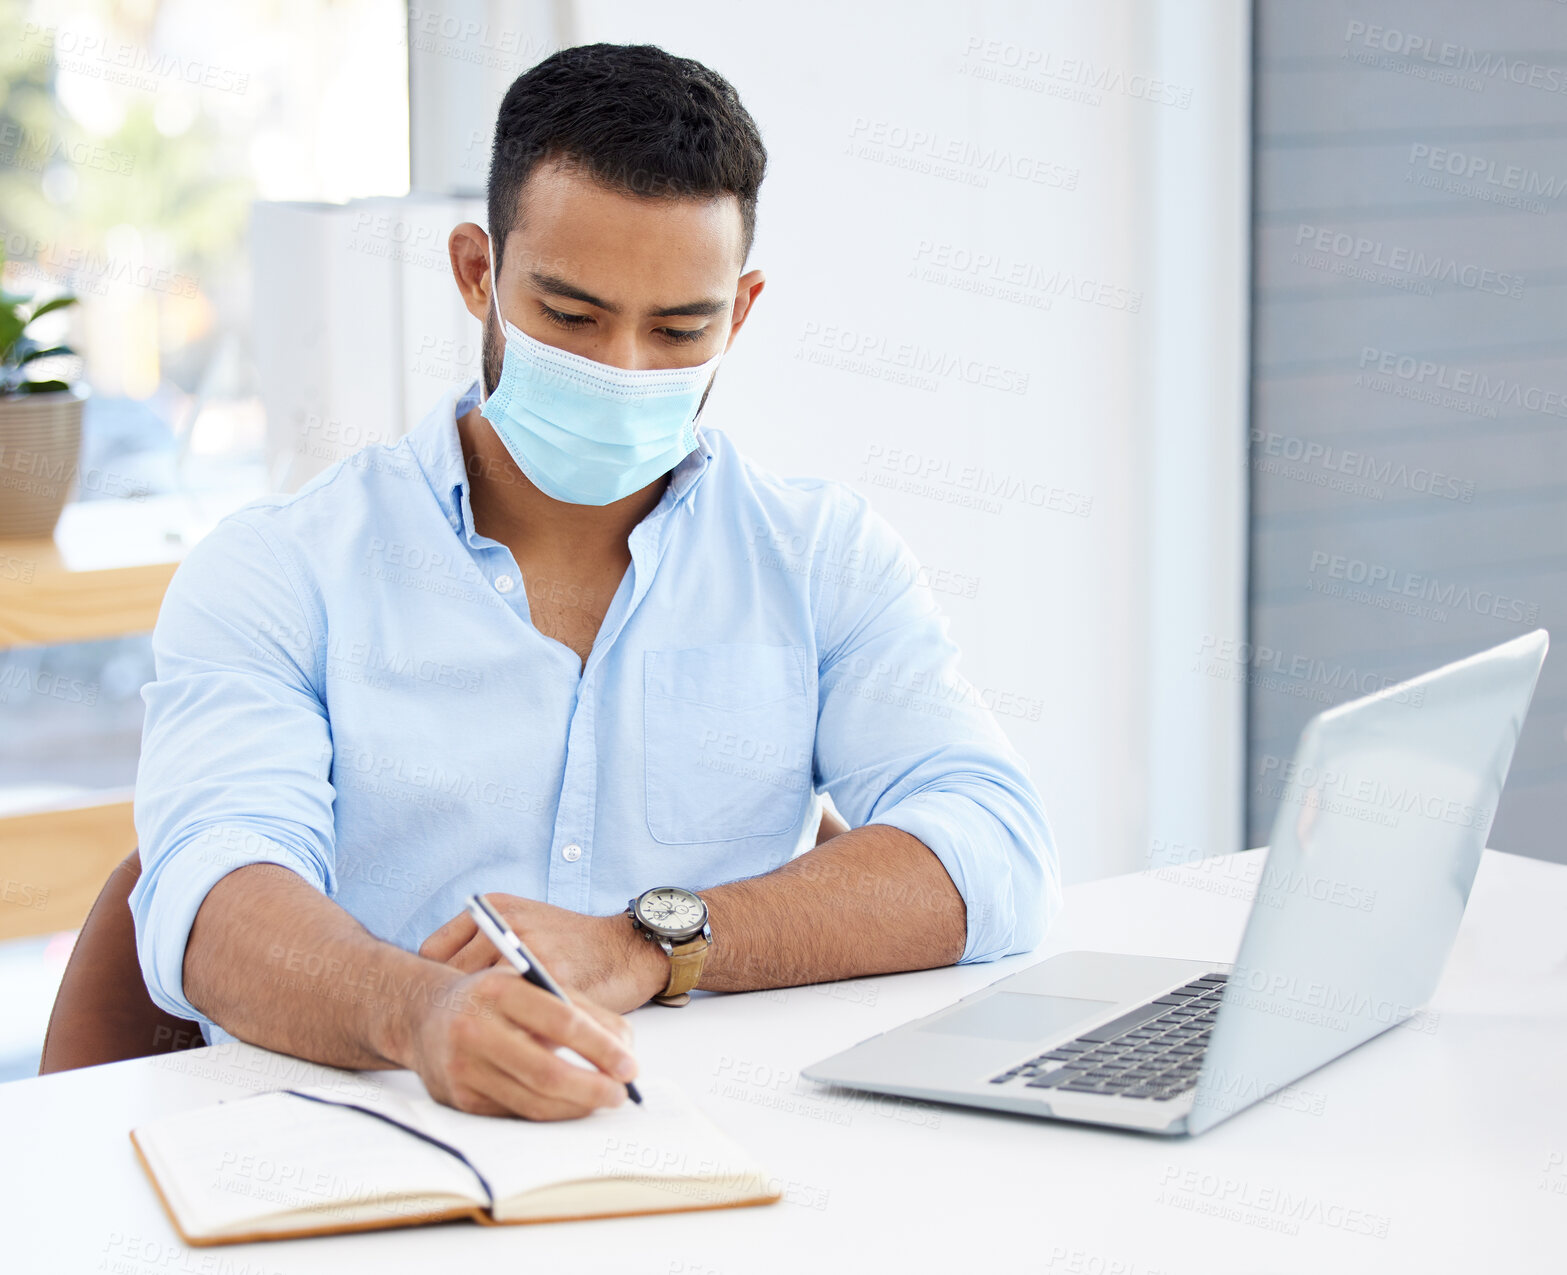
1018,1016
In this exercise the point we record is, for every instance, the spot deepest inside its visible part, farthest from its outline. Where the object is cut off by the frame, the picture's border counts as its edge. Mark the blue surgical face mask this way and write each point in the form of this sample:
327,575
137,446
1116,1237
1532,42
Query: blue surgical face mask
586,432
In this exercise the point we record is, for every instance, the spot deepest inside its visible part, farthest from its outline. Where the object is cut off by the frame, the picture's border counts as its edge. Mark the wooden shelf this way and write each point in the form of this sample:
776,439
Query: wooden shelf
62,605
103,575
105,572
54,862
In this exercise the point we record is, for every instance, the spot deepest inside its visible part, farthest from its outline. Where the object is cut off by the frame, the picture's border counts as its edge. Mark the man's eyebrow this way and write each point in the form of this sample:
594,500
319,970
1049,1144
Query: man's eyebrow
556,286
710,306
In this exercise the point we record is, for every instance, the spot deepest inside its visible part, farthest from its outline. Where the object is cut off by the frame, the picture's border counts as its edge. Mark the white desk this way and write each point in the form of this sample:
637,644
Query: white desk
1449,1134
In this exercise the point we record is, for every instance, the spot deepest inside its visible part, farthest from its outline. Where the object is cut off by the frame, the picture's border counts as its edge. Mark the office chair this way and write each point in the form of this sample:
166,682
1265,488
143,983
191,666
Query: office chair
103,1012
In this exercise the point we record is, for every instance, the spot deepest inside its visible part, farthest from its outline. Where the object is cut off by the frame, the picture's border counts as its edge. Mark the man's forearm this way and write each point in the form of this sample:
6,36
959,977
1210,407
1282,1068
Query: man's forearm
871,901
274,962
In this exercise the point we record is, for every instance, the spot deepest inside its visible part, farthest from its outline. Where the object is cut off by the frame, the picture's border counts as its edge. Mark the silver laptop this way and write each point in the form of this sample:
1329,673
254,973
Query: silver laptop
1382,817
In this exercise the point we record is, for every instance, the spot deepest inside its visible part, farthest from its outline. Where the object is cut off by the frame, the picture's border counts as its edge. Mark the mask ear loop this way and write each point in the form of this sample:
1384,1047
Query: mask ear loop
495,291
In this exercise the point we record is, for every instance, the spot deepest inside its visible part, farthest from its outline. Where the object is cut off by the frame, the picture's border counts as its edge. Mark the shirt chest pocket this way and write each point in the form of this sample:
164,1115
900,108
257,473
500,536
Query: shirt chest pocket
728,735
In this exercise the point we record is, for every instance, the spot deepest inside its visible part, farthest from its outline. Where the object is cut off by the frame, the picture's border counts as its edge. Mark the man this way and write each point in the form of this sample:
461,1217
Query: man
561,646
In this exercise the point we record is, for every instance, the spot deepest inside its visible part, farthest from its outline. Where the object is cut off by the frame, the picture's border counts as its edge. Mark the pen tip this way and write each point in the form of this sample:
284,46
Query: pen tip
631,1089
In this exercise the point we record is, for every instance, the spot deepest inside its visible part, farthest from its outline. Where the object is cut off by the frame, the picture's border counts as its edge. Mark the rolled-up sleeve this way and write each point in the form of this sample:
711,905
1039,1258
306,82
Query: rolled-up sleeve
904,739
236,750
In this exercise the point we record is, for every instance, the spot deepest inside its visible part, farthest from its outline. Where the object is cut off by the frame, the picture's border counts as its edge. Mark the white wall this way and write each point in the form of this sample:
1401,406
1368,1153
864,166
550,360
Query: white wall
358,325
1087,626
462,57
1195,374
902,182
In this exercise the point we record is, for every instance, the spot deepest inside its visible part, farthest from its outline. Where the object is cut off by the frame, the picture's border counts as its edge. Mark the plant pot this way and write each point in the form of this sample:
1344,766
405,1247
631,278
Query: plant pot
40,443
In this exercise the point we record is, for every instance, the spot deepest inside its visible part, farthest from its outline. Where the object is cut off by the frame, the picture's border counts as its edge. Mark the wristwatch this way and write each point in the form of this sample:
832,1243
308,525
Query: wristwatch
676,920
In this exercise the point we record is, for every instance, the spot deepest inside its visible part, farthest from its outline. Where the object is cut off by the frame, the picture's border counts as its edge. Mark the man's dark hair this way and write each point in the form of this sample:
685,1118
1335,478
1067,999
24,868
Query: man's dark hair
635,118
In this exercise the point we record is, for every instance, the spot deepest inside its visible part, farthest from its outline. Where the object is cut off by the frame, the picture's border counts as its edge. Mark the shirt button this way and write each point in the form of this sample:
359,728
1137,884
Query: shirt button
571,853
504,583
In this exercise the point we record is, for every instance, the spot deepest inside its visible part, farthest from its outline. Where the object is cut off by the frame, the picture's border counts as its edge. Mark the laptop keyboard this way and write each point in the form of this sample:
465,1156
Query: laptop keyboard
1154,1052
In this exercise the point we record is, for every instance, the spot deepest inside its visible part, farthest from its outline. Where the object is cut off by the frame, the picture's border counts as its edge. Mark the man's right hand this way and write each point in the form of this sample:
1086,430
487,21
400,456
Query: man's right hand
275,962
485,1043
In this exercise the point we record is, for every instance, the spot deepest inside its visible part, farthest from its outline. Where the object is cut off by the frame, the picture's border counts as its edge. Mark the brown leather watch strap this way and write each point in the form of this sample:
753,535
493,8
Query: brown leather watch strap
685,970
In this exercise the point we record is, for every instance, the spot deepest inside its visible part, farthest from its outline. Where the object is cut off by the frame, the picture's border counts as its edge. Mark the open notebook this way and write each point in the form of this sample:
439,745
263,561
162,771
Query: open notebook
312,1161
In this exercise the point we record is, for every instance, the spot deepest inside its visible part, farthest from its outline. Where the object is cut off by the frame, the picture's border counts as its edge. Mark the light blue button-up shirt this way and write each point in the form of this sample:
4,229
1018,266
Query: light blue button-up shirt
348,684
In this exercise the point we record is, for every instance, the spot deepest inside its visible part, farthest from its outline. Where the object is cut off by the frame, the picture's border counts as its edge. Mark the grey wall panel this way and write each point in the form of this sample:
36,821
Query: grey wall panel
1323,338
1398,468
1428,172
1409,404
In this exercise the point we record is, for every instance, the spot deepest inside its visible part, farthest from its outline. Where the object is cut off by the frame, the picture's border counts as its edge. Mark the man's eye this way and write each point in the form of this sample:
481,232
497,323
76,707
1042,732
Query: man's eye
683,336
563,320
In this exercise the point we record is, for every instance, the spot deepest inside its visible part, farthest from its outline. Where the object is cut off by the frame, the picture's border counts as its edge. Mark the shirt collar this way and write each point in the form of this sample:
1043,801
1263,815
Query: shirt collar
438,448
685,476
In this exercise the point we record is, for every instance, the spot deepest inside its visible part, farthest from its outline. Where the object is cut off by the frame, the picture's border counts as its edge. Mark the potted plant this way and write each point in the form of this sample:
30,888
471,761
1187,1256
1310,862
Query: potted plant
40,422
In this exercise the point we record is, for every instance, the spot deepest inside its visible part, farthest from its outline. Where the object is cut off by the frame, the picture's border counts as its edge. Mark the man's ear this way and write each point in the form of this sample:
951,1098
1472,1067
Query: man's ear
468,247
747,290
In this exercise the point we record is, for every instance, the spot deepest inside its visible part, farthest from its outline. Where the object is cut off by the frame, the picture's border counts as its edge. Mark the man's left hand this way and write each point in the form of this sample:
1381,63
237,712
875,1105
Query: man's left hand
601,957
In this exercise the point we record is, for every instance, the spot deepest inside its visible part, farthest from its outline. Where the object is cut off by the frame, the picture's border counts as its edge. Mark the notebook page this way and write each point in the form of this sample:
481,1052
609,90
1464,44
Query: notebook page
666,1137
225,1166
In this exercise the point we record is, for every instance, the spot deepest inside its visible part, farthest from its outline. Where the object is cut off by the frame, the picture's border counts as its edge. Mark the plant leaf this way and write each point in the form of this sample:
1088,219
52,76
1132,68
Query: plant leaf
41,387
58,303
11,326
44,354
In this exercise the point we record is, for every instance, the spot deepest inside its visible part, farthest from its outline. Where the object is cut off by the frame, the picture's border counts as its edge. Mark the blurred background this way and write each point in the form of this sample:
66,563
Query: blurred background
1209,354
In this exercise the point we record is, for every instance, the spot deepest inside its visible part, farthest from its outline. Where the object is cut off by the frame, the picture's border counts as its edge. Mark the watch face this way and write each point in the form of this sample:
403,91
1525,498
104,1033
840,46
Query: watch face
669,910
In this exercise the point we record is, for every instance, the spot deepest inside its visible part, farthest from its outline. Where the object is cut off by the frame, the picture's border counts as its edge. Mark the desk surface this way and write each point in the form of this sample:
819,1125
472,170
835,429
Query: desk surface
1447,1135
